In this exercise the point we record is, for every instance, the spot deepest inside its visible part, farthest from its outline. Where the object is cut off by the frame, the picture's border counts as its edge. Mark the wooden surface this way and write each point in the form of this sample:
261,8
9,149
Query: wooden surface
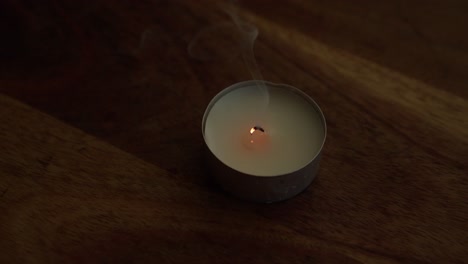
101,148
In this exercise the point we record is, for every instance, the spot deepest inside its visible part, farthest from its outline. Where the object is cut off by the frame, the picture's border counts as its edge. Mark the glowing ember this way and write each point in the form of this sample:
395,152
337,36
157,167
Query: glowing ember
255,128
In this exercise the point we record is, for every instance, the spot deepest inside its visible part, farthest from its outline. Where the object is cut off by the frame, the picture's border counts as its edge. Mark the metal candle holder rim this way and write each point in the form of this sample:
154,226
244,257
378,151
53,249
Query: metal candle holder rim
289,87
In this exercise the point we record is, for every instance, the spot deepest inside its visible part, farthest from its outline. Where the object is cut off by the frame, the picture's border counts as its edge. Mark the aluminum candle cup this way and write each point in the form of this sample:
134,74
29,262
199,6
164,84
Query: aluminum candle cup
264,142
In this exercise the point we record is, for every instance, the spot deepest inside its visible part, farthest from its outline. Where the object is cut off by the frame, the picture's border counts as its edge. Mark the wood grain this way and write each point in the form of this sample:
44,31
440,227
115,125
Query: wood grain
128,184
67,197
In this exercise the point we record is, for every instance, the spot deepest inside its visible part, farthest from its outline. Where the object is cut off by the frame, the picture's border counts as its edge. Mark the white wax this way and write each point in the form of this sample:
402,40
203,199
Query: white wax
293,135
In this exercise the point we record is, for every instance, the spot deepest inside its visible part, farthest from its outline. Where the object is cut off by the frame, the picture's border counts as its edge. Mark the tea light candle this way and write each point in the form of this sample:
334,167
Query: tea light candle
263,150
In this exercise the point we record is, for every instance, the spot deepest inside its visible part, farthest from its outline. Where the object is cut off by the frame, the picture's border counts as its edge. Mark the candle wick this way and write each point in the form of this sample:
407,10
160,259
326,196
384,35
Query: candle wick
259,128
255,128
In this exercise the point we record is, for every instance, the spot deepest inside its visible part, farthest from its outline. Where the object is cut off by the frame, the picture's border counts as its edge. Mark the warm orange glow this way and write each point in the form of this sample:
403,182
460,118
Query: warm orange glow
257,140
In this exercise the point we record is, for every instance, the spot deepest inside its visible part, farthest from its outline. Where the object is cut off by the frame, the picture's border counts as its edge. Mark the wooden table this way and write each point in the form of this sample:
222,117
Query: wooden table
101,148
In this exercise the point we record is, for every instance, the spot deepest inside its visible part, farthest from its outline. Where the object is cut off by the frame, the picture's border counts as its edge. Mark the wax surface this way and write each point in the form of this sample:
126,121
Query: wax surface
292,125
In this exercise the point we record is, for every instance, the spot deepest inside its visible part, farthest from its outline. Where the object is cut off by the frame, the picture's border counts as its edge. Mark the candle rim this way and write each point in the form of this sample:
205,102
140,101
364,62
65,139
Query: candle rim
248,83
